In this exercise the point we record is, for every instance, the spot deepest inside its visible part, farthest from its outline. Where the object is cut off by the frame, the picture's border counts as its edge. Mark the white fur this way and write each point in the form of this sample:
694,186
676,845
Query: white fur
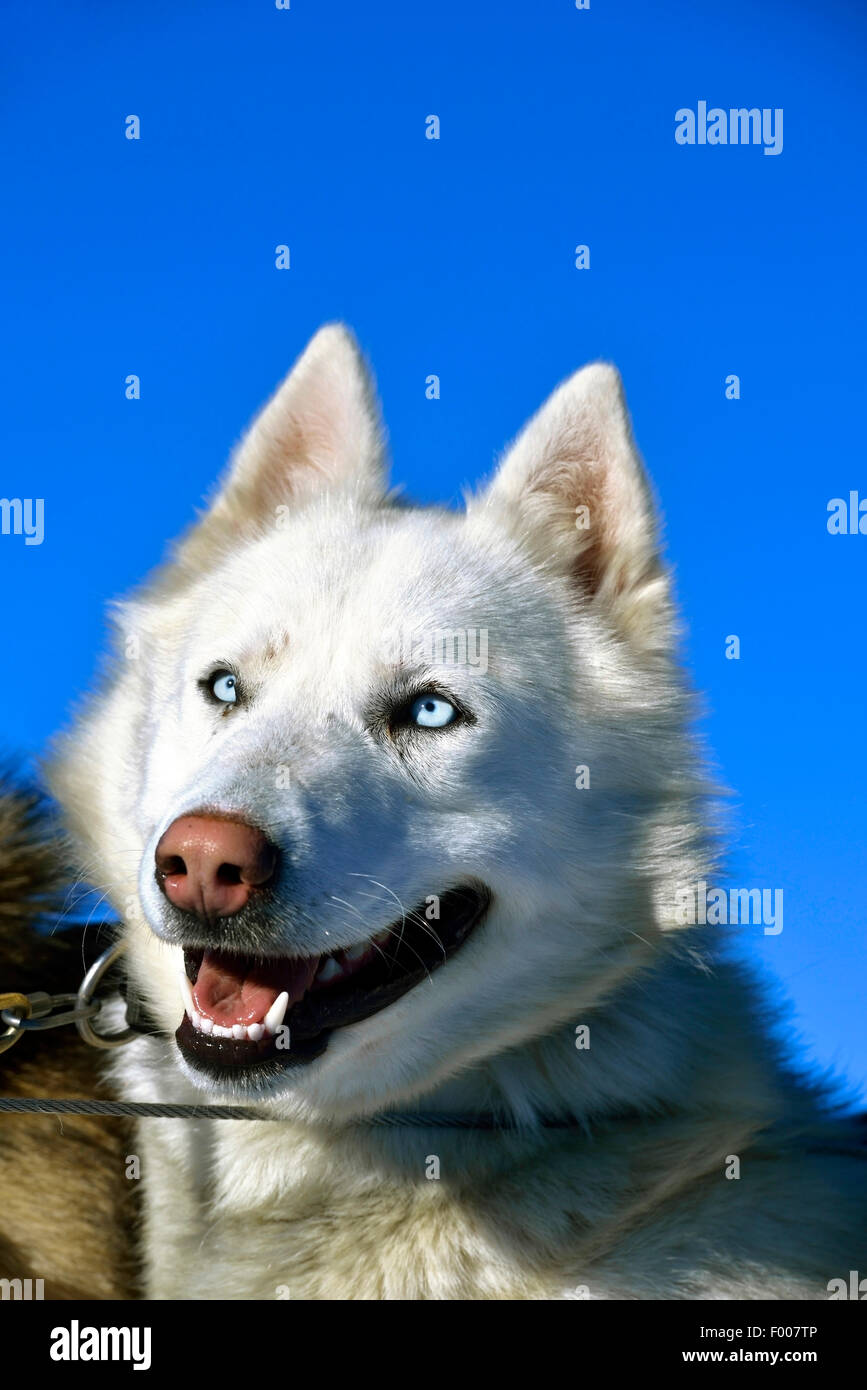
295,575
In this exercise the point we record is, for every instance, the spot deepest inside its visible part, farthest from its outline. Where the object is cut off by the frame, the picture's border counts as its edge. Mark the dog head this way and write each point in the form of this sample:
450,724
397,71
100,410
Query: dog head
382,792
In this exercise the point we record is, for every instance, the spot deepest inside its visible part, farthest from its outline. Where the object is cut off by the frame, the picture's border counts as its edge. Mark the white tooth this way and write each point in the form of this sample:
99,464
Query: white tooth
220,1032
197,1019
239,1031
186,991
274,1016
356,952
206,1024
255,1031
328,970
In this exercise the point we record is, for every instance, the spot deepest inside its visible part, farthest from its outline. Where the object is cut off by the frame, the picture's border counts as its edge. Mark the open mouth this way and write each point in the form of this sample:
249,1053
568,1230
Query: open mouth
243,1013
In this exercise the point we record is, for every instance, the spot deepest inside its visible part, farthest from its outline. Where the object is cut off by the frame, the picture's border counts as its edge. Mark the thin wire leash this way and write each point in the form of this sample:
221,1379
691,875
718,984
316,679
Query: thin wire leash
34,1013
395,1120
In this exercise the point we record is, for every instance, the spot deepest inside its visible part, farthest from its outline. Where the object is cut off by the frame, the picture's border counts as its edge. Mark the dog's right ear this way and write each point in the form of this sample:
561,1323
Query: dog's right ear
320,432
573,489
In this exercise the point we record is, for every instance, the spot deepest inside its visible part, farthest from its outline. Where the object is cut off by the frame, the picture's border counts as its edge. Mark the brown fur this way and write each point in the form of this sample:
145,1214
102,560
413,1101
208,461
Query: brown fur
66,1204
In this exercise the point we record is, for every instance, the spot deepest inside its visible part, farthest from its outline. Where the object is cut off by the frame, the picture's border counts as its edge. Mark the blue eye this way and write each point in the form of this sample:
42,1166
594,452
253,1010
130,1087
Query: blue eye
432,712
223,687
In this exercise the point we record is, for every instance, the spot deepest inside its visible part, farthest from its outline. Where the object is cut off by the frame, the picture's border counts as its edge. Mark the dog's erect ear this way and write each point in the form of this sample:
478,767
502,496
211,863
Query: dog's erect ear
319,432
573,488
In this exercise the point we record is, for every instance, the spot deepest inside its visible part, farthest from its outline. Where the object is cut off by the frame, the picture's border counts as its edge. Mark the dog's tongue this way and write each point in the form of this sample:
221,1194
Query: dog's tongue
237,989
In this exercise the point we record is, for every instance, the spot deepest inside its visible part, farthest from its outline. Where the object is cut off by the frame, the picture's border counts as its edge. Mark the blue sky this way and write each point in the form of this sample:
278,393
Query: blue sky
455,257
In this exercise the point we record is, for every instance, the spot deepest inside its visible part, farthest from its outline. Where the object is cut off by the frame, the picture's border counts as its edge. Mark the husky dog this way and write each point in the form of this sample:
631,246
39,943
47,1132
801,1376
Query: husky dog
395,804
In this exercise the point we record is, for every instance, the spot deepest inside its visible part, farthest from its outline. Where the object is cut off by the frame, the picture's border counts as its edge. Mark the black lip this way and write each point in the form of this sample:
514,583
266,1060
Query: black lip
419,948
226,1054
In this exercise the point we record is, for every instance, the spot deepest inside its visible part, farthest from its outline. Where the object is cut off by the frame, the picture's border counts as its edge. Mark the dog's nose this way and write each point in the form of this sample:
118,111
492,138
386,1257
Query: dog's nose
211,867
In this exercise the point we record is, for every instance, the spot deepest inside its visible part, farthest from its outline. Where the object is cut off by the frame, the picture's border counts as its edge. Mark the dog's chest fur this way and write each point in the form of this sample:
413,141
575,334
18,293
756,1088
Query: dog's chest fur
641,1209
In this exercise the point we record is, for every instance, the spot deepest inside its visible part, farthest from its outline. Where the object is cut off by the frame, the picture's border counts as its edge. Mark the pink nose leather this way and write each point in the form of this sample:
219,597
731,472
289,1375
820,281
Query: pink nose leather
211,866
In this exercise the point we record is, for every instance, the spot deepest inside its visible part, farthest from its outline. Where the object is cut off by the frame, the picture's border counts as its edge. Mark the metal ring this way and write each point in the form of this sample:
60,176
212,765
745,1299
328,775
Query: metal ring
21,1004
85,996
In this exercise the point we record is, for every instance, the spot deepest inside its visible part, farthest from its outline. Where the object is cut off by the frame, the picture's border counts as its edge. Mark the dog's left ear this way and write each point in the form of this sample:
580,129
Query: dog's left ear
573,489
320,432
